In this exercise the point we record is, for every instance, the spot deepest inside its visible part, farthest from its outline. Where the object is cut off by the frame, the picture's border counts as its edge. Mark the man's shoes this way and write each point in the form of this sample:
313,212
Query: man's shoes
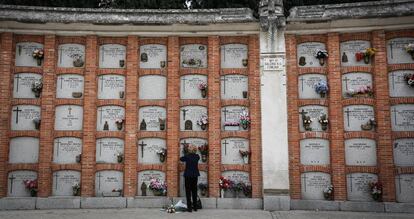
189,210
195,208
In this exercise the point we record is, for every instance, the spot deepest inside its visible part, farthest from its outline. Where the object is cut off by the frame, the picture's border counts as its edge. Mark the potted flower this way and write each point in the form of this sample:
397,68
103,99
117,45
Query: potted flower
245,155
410,49
203,189
158,187
203,88
225,184
119,157
231,126
78,158
204,152
37,87
237,188
369,125
116,192
376,190
247,189
321,55
244,119
409,78
203,121
31,185
328,193
321,88
163,154
171,209
36,122
76,189
38,54
323,120
369,52
119,123
162,124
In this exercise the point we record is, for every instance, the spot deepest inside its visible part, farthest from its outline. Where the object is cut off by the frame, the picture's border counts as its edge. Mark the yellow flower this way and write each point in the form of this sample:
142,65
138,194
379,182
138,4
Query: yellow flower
370,51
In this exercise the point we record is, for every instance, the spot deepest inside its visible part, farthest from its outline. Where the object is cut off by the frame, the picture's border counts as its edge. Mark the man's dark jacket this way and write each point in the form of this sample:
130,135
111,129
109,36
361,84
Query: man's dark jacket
191,165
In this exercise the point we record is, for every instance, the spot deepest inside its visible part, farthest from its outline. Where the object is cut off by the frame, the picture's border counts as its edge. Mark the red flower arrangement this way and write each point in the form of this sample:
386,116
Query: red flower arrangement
225,183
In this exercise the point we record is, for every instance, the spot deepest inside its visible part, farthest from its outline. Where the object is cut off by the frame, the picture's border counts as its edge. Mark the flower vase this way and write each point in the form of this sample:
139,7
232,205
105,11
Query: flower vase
203,192
78,158
324,127
120,159
162,158
39,62
204,93
245,94
121,63
245,126
221,193
245,62
76,94
377,197
157,192
204,158
162,126
307,127
322,95
121,94
366,59
246,159
37,125
321,61
33,193
37,93
412,55
119,125
203,126
76,192
78,63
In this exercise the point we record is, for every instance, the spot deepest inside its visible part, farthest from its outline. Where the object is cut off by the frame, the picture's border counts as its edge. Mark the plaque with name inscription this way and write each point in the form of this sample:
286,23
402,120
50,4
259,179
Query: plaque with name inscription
15,183
192,141
23,117
358,186
108,149
112,56
234,87
24,150
144,178
314,151
360,152
350,48
190,86
152,87
71,55
66,149
398,86
193,56
153,56
23,83
231,114
357,115
68,118
234,56
111,87
189,115
313,184
107,117
356,82
202,179
230,150
154,116
63,181
69,86
402,117
404,186
24,54
404,152
396,53
306,54
314,112
306,85
148,148
107,181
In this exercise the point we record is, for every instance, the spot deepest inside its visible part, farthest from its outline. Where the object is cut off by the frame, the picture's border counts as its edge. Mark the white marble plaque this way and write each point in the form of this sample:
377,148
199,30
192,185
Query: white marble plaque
189,116
234,56
112,56
404,186
69,86
22,84
23,116
357,115
396,53
201,179
147,150
107,116
107,181
236,177
360,152
153,56
152,115
352,82
234,87
189,86
15,184
230,148
192,141
350,48
306,54
307,84
107,150
68,118
398,86
402,117
24,150
193,56
24,54
231,114
358,186
145,177
71,55
152,87
404,152
313,184
111,87
65,150
63,182
315,112
314,151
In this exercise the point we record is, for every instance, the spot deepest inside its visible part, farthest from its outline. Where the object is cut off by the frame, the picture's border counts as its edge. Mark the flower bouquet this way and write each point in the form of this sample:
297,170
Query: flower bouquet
31,185
409,78
76,189
204,152
37,87
225,184
328,193
323,120
321,88
38,54
410,49
362,91
158,187
203,121
244,119
245,155
119,123
163,154
376,190
192,62
321,55
369,125
203,88
366,56
203,188
247,189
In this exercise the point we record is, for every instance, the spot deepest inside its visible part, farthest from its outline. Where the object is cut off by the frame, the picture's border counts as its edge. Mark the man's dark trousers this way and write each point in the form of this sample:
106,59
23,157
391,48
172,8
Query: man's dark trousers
191,191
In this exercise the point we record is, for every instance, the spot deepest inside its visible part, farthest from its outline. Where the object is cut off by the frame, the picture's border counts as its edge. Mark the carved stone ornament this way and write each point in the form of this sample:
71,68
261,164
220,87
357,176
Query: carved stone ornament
271,14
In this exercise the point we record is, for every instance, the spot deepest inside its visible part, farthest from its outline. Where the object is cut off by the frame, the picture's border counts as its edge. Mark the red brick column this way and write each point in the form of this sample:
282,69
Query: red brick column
130,150
89,118
384,141
6,45
47,117
173,92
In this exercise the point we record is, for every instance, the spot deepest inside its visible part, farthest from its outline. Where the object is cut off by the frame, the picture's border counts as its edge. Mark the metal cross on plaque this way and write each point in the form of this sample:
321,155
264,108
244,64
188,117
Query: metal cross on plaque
70,110
347,111
225,111
399,183
142,148
301,84
56,180
100,148
17,110
100,115
225,143
346,79
17,77
394,112
184,113
61,82
57,147
224,79
350,177
102,79
183,79
11,178
99,180
304,177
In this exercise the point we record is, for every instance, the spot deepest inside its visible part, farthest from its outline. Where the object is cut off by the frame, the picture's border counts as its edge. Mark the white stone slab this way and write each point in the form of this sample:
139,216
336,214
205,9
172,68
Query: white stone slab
314,151
193,56
358,186
24,150
350,48
152,116
306,54
189,86
69,118
360,152
65,150
404,186
236,177
230,150
63,182
404,152
234,56
201,179
24,53
355,81
15,184
357,115
111,87
231,114
192,141
107,149
152,87
233,86
396,53
109,115
68,84
398,86
307,83
191,114
22,84
112,56
153,56
402,117
23,115
108,180
145,177
315,112
147,150
69,53
313,184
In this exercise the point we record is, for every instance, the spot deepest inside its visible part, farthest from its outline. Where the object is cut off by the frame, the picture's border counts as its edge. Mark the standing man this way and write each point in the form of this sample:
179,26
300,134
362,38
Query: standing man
191,175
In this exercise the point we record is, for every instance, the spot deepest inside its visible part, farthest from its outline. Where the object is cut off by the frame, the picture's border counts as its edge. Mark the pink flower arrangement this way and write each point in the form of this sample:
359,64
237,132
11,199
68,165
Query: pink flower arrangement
31,185
244,117
158,185
203,120
361,91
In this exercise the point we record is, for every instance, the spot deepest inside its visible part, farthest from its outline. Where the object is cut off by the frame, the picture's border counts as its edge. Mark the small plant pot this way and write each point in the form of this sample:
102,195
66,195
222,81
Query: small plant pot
366,59
78,158
204,93
321,61
121,94
203,126
33,193
121,63
245,94
37,125
203,192
76,192
78,63
157,193
37,93
162,64
39,62
204,158
119,125
162,158
77,94
120,159
245,62
162,126
246,159
245,126
307,127
324,127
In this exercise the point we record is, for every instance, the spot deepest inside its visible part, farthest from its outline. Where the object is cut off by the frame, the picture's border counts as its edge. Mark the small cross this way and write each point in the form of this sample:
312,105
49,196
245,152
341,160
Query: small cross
183,79
99,180
350,181
103,53
346,79
225,111
61,82
101,112
58,147
17,77
399,183
224,79
60,55
184,112
70,110
395,111
393,80
56,180
100,147
304,177
303,113
142,148
225,143
17,114
302,79
102,79
12,178
347,111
